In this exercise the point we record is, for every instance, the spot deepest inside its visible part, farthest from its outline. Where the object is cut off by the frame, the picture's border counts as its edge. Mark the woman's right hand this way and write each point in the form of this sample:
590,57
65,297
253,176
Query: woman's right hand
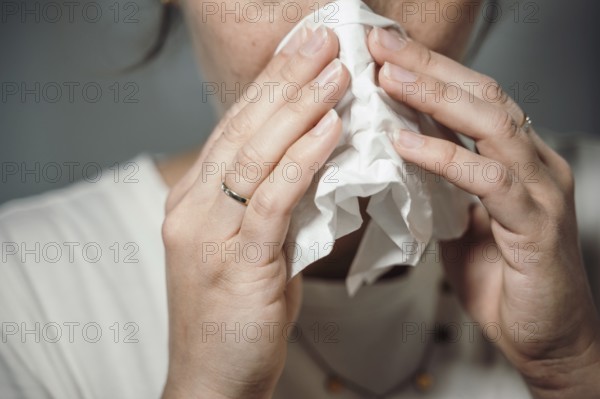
226,273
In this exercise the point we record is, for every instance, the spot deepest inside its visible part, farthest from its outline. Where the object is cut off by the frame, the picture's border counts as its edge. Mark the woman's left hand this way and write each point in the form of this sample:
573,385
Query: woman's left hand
538,284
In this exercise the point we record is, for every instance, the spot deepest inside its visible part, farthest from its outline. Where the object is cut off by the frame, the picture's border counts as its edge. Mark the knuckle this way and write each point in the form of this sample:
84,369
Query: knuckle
448,153
298,107
566,174
425,56
493,93
569,180
486,81
264,204
172,198
238,128
172,231
289,73
505,182
503,125
248,155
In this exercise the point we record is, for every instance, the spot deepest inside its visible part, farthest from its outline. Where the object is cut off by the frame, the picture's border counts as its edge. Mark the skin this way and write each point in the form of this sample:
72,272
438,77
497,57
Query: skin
546,286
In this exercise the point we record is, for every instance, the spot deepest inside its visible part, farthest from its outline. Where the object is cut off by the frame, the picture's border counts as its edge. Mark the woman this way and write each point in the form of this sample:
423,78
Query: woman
228,317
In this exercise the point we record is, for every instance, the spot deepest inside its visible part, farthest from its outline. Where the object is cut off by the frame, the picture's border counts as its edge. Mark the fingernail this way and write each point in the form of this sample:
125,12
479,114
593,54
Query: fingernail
406,138
324,126
330,73
296,41
315,43
394,72
389,39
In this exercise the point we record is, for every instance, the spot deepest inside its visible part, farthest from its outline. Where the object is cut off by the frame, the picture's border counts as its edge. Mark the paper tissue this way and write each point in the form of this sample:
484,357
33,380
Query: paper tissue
408,208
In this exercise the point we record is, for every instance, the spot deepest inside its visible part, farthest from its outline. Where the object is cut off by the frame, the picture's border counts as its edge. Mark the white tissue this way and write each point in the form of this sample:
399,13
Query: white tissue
407,210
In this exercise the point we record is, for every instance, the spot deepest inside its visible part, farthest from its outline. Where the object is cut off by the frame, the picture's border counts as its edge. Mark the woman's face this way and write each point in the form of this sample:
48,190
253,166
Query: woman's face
233,45
234,39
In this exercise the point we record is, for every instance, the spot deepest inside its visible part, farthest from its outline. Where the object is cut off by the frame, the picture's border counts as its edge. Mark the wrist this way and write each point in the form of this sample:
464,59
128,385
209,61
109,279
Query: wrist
175,390
198,386
576,376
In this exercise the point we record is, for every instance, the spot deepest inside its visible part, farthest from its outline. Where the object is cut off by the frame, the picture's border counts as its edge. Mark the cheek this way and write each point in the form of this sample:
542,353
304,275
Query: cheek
444,38
233,52
442,25
227,51
236,50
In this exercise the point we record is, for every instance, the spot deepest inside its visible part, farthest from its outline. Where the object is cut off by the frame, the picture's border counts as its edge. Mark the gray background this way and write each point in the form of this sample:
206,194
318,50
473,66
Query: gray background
546,56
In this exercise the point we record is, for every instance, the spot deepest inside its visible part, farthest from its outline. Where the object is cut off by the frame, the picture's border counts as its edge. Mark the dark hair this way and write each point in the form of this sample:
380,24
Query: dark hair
168,16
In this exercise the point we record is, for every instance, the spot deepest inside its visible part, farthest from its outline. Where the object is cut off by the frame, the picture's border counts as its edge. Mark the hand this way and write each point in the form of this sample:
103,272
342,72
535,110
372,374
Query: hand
537,283
225,265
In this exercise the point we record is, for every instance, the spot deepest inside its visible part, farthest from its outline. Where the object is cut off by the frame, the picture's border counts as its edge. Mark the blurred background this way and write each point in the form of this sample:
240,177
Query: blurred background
64,97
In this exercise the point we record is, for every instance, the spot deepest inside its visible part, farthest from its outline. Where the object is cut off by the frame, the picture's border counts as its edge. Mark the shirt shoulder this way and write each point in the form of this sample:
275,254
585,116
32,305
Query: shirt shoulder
82,277
111,194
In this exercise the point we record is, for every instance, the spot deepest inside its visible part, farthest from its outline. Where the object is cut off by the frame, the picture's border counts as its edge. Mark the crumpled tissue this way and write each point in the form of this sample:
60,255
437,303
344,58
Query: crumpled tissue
408,207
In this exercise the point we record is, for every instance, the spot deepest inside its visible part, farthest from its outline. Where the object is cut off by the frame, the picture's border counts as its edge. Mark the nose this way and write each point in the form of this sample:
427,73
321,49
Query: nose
383,7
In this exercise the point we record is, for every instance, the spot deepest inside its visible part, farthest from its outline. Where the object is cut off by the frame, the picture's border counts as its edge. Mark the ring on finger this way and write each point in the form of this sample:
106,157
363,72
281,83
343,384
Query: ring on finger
526,126
232,194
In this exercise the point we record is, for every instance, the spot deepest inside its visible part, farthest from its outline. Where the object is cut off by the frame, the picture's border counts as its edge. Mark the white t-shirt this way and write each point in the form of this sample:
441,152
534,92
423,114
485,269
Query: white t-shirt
83,311
89,265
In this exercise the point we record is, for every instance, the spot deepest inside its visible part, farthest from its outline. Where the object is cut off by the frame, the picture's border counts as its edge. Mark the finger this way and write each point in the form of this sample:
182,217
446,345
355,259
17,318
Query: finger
308,61
300,69
476,174
272,68
196,158
257,157
495,132
389,46
293,61
558,166
268,214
